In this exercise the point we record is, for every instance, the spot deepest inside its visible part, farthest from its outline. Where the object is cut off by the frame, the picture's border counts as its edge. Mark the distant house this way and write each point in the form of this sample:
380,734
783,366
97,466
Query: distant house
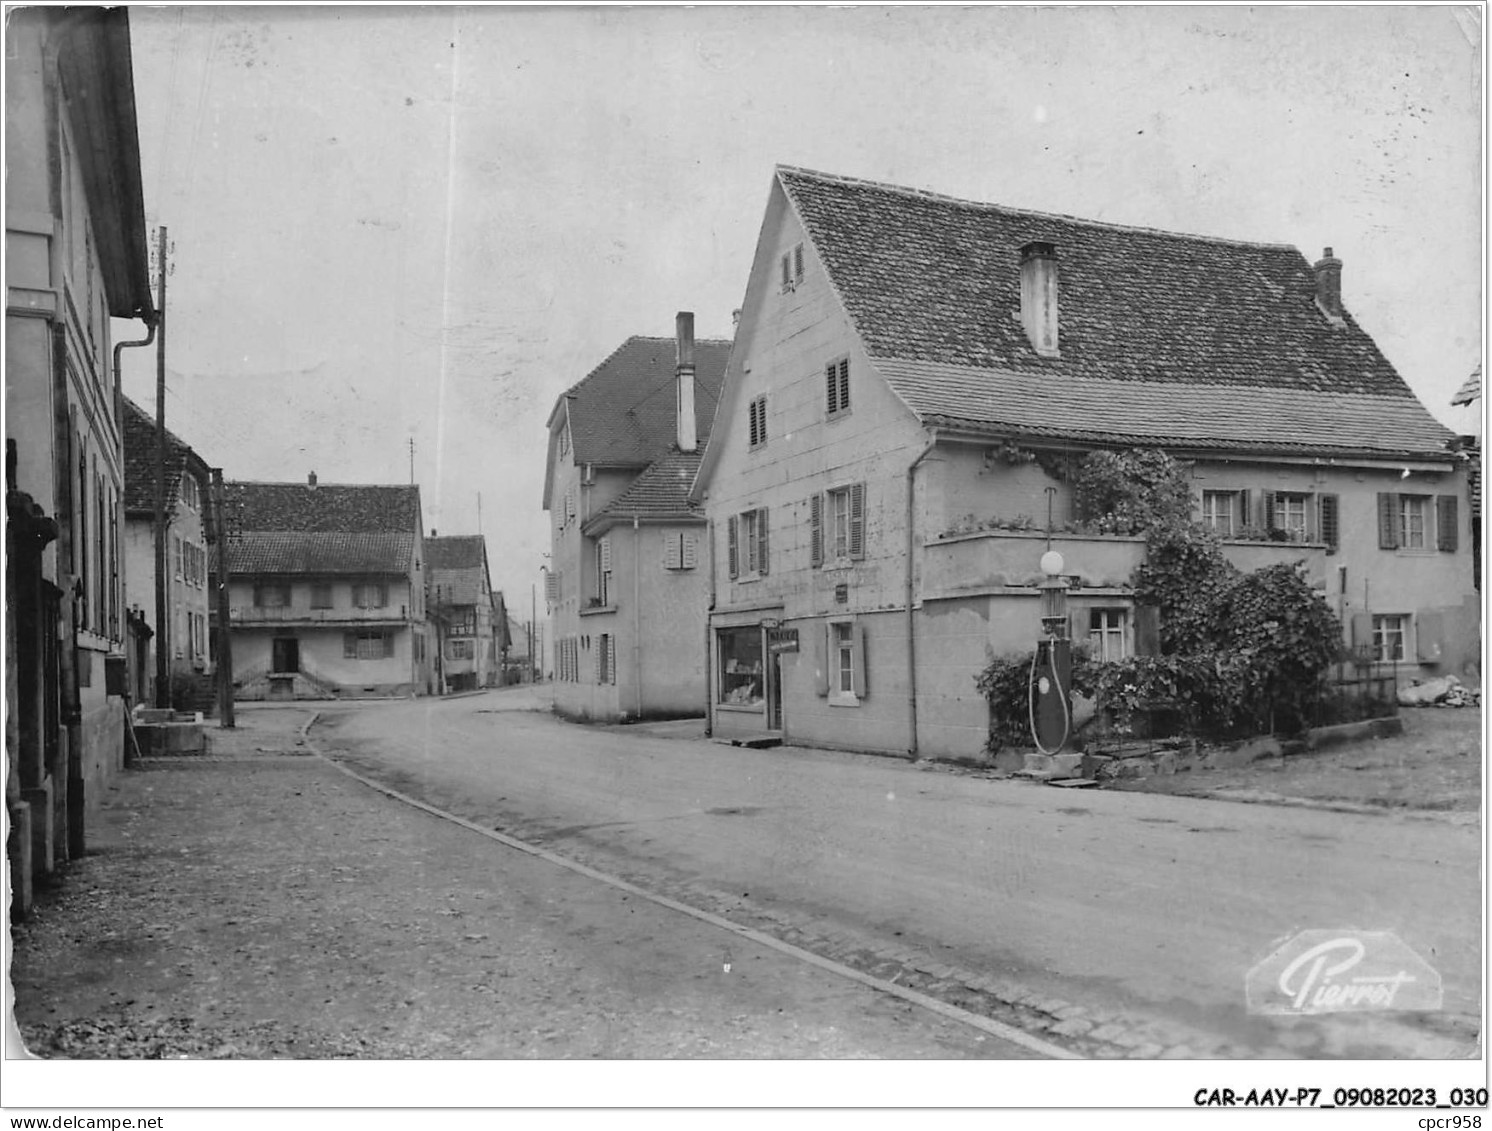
1469,397
913,379
75,259
463,609
628,585
327,591
187,500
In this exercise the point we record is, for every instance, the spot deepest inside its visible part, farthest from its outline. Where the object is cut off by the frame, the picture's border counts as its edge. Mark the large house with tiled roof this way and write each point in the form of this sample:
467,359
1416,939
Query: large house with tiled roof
184,632
326,591
627,587
913,378
470,621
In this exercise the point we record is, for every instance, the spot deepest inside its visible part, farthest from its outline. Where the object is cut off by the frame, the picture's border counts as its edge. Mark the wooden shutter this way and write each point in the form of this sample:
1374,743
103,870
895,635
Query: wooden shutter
1446,519
1331,522
832,388
786,272
1429,637
606,555
858,681
551,587
844,384
601,659
1245,514
349,645
798,262
1388,520
388,645
816,530
732,553
1266,505
1362,630
763,560
688,554
821,653
857,520
383,597
611,659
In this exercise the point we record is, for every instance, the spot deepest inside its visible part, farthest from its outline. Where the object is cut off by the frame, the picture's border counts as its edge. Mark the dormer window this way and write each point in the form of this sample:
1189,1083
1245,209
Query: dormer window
1039,297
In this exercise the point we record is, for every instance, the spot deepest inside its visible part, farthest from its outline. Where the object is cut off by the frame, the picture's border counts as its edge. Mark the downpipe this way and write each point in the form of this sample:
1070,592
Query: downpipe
911,615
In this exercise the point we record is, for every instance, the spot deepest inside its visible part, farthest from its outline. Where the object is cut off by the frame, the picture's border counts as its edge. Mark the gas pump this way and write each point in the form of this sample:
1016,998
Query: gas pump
1051,667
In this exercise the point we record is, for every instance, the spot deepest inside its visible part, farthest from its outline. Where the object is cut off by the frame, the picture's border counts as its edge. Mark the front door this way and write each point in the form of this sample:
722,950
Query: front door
774,690
285,654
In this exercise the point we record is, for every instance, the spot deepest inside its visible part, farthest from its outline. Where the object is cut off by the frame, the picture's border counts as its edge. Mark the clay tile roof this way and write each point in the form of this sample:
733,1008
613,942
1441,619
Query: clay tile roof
139,461
661,491
933,283
329,528
1470,389
623,411
457,566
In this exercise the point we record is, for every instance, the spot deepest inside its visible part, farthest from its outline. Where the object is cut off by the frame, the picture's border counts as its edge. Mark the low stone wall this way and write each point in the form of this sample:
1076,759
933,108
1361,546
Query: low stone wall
1154,760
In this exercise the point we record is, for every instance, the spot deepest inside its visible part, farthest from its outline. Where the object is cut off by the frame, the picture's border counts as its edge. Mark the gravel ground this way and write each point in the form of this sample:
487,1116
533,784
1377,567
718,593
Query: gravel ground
256,903
1435,766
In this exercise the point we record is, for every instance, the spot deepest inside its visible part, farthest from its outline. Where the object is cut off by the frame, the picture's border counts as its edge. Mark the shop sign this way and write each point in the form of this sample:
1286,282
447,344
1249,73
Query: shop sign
782,640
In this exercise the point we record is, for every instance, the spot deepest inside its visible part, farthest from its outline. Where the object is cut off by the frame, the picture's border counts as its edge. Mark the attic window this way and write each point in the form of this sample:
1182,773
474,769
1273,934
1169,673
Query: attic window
757,432
792,268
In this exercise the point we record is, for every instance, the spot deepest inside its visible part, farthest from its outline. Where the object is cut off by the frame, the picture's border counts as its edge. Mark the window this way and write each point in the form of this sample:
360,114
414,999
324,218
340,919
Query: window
463,621
746,538
839,534
176,555
837,387
321,595
367,645
741,666
679,550
552,586
564,440
757,421
370,595
1413,520
191,495
844,678
792,268
1289,515
1220,512
603,572
272,596
460,649
1108,634
1389,633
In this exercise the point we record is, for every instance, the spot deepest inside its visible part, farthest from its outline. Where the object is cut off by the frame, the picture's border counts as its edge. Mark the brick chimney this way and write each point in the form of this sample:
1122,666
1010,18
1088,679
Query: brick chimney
311,480
684,377
1039,297
1329,285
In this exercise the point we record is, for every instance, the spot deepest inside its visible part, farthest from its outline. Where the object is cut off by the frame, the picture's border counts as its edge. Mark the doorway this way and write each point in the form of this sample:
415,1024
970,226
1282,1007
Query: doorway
774,690
285,655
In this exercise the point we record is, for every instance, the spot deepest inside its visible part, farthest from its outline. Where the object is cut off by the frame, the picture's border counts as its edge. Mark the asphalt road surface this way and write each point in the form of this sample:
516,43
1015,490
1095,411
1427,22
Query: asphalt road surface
1151,906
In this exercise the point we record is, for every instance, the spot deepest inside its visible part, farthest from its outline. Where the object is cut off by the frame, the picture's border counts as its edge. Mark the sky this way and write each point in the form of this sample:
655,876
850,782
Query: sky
425,223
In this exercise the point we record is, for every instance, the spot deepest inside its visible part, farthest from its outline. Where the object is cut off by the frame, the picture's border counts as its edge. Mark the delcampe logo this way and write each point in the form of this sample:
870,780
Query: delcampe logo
1341,972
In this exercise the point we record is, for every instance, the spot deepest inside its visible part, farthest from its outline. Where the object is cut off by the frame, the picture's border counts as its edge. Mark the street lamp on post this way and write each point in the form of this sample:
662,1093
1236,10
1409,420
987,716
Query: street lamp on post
1051,665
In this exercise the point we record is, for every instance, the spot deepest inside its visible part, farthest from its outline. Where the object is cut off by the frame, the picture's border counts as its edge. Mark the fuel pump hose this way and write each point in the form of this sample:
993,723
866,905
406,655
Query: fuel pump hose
1061,698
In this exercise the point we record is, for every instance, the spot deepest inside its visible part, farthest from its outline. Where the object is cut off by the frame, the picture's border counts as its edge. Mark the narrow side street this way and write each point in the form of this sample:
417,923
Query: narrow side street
1115,922
258,903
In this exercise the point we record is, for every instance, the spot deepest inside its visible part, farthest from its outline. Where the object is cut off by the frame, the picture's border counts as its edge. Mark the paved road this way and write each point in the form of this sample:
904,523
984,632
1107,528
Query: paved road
260,903
1150,905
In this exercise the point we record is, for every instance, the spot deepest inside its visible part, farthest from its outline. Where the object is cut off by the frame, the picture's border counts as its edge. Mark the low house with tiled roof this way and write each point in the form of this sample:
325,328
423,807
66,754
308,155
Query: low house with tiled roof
327,591
471,633
912,379
184,635
1468,400
627,587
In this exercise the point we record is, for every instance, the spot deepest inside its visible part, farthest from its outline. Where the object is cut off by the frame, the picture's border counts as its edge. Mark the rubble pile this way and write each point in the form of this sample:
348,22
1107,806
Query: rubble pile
1447,691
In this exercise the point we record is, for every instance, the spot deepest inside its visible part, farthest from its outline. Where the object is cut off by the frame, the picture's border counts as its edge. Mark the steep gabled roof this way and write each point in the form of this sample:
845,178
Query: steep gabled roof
139,461
623,412
457,567
1164,337
297,528
662,491
1470,389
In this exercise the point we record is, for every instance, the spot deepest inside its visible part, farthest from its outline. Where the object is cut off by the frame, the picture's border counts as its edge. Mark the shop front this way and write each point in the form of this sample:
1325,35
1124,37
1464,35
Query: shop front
747,698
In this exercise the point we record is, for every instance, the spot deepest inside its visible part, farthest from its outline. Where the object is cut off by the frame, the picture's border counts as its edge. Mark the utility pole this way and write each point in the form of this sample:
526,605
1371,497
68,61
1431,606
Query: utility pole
411,461
533,626
225,644
162,628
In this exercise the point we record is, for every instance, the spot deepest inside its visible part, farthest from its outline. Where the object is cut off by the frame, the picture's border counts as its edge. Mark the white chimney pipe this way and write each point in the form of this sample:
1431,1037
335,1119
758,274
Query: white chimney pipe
684,377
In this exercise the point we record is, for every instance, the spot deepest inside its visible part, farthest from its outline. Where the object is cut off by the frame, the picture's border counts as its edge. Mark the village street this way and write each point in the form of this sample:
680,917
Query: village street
1121,913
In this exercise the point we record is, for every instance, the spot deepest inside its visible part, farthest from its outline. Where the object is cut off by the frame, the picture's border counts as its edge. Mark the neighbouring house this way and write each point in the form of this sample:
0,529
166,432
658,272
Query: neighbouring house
913,379
326,591
628,582
519,666
188,491
75,257
464,610
1468,400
